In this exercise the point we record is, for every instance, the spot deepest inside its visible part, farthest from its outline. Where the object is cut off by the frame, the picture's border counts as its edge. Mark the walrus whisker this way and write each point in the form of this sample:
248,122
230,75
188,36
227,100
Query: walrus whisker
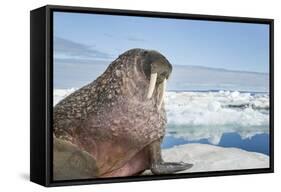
162,93
152,83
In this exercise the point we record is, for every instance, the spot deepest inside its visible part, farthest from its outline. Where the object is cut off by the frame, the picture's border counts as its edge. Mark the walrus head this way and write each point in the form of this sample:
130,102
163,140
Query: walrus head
145,70
157,69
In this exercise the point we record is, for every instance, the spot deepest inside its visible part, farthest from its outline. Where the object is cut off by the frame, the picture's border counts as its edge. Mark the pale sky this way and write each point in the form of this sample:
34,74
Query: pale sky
99,39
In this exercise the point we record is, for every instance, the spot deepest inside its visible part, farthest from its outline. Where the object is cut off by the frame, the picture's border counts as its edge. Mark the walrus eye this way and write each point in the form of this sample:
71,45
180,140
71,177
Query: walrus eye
152,83
162,93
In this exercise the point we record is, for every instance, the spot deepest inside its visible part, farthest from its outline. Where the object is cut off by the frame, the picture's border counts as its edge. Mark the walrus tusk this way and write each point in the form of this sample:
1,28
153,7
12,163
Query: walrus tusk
162,93
152,83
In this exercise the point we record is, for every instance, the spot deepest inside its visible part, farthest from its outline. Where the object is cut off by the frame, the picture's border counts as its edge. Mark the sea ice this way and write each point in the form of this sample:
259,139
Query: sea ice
200,115
213,158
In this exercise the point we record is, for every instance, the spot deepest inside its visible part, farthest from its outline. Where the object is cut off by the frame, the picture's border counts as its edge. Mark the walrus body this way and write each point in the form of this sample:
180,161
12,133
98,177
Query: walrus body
114,126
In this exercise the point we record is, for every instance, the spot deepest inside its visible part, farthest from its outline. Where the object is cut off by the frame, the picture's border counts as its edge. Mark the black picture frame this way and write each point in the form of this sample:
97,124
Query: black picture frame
41,93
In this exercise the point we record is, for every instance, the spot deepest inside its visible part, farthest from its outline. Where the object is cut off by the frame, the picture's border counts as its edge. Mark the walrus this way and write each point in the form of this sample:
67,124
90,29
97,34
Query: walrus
114,126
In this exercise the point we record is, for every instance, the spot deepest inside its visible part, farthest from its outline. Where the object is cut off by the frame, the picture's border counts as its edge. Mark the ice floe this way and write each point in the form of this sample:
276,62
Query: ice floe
213,158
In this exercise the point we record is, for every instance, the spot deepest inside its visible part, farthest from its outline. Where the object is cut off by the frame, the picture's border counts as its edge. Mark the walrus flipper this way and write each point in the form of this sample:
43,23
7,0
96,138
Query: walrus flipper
158,166
70,162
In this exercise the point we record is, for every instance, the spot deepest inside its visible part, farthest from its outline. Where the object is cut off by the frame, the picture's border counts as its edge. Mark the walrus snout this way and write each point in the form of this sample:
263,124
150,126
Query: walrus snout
155,62
163,70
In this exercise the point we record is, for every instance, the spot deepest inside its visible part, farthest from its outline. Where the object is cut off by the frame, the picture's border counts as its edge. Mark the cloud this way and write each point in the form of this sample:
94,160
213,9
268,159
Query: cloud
70,49
108,35
128,38
137,39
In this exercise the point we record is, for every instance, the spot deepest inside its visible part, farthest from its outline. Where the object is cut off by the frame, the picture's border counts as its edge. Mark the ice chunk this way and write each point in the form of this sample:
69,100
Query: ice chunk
213,158
214,106
235,94
60,94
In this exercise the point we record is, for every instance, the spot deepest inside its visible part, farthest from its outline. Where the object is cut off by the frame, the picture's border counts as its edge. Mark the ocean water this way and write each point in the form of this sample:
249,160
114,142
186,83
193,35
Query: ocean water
222,118
258,143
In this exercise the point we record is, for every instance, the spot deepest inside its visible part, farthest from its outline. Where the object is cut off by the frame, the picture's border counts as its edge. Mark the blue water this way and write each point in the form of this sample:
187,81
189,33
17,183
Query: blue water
258,143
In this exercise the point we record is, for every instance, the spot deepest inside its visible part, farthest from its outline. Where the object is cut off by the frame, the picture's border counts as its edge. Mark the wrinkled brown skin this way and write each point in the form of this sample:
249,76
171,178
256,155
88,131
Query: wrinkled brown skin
109,128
